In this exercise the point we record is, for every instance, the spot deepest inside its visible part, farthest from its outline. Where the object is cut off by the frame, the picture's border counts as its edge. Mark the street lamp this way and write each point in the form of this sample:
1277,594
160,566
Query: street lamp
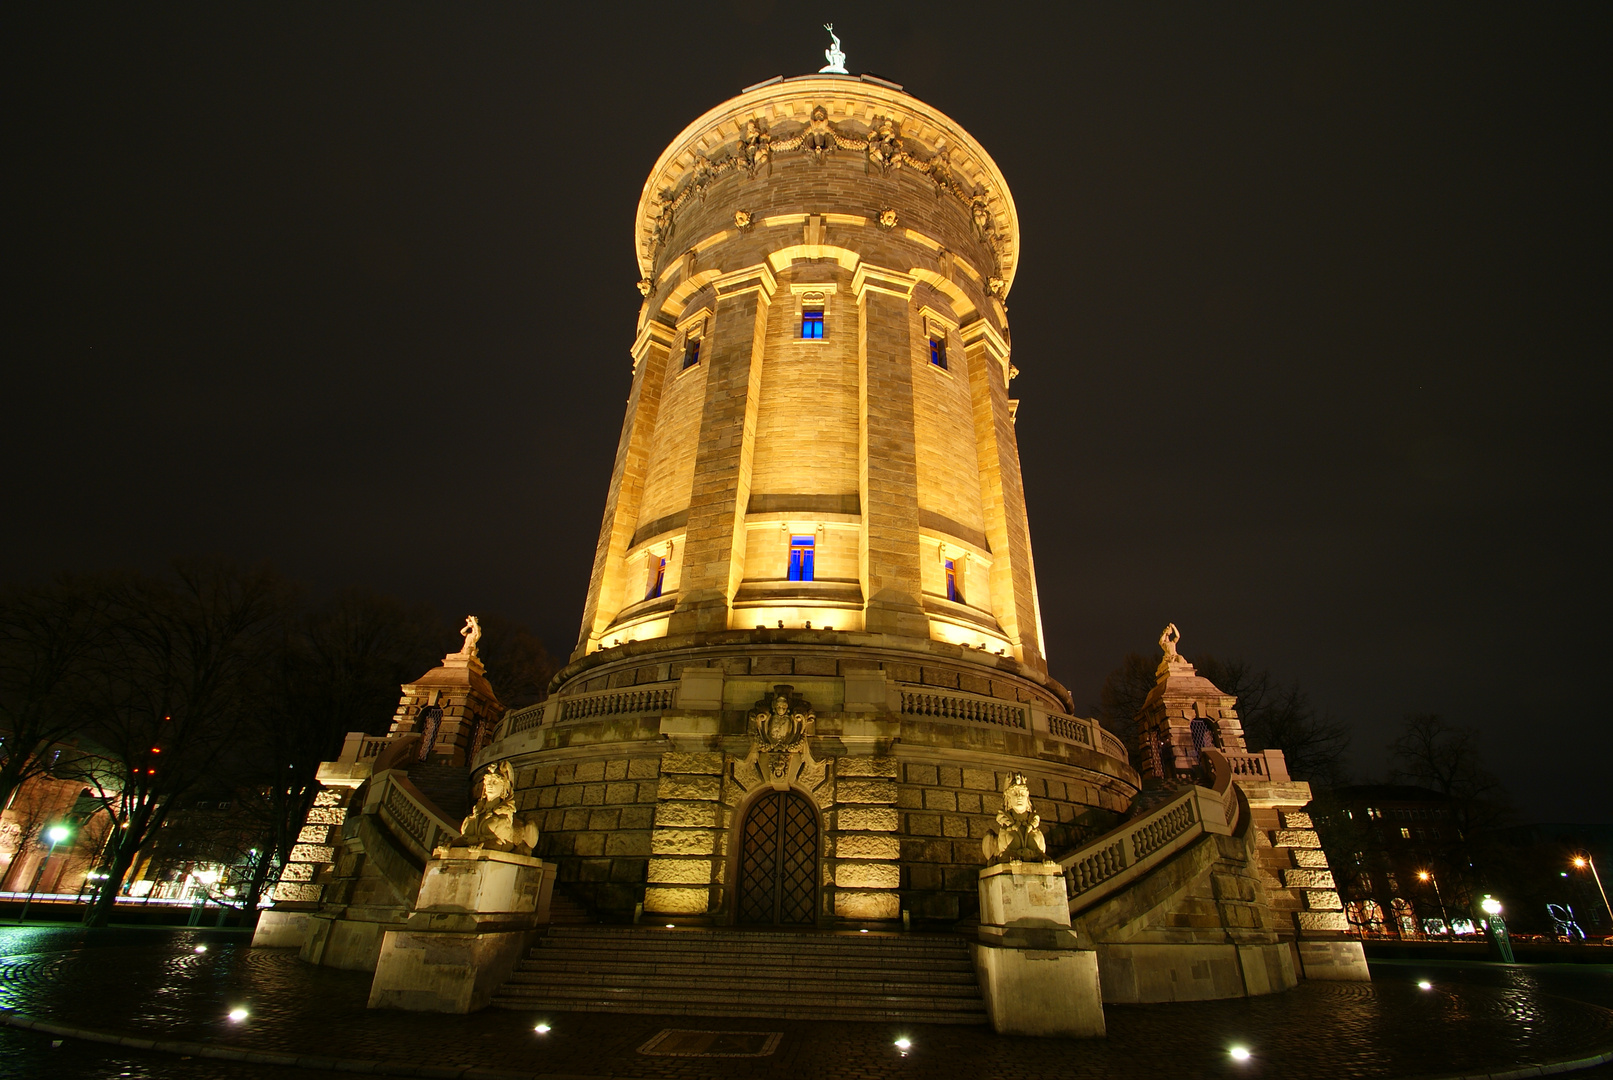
1497,927
1424,875
1580,863
56,834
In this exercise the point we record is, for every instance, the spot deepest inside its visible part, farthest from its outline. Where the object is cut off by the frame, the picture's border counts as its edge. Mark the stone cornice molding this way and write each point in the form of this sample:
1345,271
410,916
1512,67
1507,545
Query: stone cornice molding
758,279
869,279
982,334
822,115
653,332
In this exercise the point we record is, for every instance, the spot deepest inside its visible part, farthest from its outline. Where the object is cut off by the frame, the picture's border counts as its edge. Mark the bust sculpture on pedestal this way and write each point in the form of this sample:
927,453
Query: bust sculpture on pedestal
1019,836
493,824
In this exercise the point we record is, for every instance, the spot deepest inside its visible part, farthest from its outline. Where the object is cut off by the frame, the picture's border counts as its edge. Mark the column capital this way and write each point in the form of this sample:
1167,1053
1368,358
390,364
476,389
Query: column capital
757,279
869,279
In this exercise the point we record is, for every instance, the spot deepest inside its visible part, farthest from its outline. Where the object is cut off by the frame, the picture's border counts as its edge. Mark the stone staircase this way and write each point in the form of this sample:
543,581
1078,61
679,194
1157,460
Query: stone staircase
705,972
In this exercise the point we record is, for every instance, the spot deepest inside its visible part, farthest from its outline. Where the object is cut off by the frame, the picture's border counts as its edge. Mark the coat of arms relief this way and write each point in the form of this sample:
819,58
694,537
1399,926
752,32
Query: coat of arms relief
780,727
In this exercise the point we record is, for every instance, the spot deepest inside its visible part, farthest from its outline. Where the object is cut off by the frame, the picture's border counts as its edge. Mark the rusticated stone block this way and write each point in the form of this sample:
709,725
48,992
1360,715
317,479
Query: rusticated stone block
688,815
1323,900
575,819
860,875
683,842
314,853
663,900
1308,879
621,793
298,872
865,791
865,846
326,815
313,834
1321,920
865,766
850,904
329,797
638,817
867,818
921,774
1296,819
616,769
643,768
980,779
674,762
593,795
296,892
1296,838
1311,857
589,772
628,842
940,799
680,871
924,824
604,820
701,788
954,825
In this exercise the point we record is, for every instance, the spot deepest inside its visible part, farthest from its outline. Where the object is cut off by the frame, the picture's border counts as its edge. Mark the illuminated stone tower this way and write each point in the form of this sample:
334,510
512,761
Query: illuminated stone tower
811,653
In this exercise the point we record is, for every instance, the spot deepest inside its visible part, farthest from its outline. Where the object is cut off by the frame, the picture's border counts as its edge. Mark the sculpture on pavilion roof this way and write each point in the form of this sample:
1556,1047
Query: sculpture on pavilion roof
472,633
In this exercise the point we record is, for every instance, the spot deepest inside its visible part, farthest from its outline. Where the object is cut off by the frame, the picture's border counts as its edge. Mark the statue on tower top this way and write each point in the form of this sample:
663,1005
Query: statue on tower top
836,58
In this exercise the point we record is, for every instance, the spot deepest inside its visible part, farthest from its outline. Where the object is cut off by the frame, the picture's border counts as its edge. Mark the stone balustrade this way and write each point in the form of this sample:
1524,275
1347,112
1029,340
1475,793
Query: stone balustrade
968,708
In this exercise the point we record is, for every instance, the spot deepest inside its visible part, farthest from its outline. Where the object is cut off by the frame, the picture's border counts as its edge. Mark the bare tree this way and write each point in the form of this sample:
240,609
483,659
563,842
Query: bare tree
1121,700
47,635
173,689
1278,716
1445,757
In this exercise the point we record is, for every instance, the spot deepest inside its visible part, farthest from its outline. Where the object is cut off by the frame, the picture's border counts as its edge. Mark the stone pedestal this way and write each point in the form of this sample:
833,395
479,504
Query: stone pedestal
1035,978
280,928
471,924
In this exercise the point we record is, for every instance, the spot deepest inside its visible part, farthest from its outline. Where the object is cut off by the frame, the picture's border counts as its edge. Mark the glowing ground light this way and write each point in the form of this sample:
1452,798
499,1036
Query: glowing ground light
237,1015
862,931
1425,985
904,1044
201,948
542,1029
1240,1053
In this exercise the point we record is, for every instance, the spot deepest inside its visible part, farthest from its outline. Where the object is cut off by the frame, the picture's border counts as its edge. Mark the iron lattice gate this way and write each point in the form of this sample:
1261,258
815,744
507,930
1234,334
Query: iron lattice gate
778,862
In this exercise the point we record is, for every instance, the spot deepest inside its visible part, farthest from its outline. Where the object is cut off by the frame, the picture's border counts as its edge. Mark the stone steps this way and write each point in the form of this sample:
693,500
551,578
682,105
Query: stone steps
705,972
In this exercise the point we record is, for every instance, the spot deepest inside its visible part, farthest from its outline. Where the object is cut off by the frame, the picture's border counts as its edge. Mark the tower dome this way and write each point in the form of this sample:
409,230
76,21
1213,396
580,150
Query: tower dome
813,598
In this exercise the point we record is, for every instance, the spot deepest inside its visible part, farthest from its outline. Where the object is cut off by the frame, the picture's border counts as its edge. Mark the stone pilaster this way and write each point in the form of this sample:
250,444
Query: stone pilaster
606,583
887,456
686,846
1002,494
865,870
714,551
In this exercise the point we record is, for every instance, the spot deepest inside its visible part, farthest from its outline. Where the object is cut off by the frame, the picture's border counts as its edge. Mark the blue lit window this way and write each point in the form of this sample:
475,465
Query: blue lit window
691,353
938,352
954,587
657,579
812,323
800,558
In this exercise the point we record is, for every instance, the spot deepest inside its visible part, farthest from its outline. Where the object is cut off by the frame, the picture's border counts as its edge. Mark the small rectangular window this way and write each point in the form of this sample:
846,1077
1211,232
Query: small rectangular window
938,352
801,558
812,323
657,579
691,353
1405,834
954,588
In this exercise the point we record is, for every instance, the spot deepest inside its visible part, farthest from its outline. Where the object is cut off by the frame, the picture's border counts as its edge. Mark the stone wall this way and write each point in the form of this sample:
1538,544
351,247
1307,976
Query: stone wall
946,810
595,820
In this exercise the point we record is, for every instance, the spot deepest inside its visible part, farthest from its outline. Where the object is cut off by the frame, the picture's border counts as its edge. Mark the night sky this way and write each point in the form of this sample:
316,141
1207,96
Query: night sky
1307,316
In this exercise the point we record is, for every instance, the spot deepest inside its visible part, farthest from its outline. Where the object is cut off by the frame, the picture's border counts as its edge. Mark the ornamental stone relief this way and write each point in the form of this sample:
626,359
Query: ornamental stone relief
883,150
780,754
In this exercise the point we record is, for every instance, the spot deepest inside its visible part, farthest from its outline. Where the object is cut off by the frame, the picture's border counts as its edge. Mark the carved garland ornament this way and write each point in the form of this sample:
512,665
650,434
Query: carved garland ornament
882,149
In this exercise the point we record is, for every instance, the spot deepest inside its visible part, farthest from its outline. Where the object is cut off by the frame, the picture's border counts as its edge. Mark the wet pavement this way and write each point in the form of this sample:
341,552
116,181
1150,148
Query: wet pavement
154,984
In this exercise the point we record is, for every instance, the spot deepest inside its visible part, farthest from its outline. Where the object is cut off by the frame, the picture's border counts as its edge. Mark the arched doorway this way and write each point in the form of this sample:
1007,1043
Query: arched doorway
778,862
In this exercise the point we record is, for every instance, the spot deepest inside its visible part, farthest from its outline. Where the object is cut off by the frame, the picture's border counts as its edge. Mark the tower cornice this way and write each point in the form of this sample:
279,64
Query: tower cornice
819,115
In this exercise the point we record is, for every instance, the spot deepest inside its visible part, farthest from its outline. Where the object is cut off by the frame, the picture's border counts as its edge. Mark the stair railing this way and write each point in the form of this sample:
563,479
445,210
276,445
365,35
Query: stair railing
410,815
1116,859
